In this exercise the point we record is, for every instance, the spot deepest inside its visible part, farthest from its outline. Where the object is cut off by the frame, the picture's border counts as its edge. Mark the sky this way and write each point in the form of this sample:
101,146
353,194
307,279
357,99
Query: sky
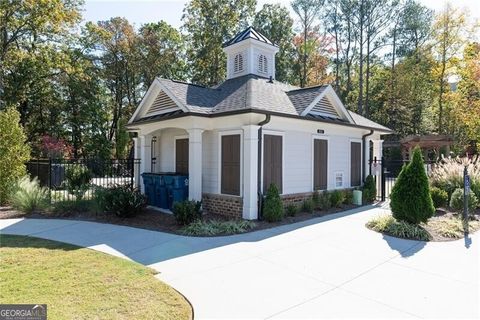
139,12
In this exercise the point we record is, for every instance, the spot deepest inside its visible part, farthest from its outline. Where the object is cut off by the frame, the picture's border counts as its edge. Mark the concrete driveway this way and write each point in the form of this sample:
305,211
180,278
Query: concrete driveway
330,267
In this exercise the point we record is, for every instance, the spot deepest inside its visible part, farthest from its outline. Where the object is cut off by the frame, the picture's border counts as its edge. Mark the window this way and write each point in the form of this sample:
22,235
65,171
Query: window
238,63
262,64
338,179
230,166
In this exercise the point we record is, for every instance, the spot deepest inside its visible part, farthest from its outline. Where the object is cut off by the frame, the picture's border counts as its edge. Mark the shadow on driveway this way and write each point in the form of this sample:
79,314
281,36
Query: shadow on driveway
148,247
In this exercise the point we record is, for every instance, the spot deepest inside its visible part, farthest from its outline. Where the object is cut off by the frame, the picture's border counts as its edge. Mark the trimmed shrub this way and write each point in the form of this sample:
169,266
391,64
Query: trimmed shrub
439,197
456,202
324,201
77,180
123,201
369,190
410,199
308,206
66,207
291,210
273,206
348,196
14,152
29,196
187,211
337,198
316,198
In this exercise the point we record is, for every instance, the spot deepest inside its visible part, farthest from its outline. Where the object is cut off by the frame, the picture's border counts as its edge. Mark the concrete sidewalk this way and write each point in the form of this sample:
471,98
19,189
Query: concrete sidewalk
327,267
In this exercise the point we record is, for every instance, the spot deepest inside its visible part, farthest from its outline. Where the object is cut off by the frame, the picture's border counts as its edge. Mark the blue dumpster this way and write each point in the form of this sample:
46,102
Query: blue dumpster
149,183
164,189
180,188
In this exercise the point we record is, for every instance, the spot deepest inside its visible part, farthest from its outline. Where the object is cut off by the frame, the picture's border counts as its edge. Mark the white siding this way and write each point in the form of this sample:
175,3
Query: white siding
298,164
339,154
210,162
297,169
165,149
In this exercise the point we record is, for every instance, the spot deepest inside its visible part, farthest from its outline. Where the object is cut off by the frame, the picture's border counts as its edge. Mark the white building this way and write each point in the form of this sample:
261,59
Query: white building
236,138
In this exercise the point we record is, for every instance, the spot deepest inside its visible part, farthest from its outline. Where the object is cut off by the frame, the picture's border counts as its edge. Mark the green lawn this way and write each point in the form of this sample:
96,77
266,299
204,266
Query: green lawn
79,283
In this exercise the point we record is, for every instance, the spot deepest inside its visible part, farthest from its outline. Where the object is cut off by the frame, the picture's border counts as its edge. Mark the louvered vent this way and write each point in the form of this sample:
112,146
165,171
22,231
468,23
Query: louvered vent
162,103
324,107
262,64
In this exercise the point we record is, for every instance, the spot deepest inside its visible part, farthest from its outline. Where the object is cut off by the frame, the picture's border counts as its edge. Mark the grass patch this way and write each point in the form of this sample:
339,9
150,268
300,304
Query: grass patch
215,227
451,227
83,284
389,225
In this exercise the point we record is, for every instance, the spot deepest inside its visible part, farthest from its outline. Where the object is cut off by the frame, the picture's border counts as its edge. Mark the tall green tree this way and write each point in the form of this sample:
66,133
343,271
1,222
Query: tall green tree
274,21
162,53
116,46
450,34
14,152
208,24
308,13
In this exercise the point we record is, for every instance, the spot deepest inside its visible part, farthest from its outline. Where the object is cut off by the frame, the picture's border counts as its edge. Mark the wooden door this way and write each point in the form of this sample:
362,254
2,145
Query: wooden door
181,156
355,164
230,165
320,164
272,161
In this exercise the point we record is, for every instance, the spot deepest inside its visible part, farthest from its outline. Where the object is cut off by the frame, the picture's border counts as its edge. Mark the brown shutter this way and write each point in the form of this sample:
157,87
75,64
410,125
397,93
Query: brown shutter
320,164
181,156
230,175
355,164
272,161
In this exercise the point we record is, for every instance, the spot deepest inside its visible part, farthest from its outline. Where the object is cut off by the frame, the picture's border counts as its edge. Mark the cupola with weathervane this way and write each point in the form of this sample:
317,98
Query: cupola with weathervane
250,52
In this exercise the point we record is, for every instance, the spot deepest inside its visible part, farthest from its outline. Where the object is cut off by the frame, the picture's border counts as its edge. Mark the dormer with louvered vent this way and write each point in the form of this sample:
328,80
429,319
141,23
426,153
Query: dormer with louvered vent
250,52
325,108
162,104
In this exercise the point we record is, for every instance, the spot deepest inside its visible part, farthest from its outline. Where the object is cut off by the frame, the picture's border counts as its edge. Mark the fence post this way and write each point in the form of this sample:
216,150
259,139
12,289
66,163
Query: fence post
132,172
382,183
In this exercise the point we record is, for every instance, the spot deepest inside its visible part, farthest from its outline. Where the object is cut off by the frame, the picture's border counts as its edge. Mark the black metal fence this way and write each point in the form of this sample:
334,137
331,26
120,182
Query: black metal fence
54,174
386,171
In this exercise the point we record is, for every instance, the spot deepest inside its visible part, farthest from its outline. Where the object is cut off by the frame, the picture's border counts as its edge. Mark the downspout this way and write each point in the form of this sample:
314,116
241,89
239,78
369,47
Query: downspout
364,158
259,167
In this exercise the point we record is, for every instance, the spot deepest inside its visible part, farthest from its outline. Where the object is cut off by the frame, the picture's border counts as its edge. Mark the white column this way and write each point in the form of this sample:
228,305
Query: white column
145,156
366,152
378,148
378,152
195,164
250,172
136,155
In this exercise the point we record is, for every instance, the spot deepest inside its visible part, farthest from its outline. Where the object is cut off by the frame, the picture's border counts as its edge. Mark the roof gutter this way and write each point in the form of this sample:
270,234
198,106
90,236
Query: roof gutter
259,166
364,158
134,125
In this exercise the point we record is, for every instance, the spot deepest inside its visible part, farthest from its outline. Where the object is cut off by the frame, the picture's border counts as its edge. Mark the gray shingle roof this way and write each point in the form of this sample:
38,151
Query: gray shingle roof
248,33
362,121
302,98
250,92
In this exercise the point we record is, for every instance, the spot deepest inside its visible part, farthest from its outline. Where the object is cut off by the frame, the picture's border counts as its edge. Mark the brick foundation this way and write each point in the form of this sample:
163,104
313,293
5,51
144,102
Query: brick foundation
229,206
295,198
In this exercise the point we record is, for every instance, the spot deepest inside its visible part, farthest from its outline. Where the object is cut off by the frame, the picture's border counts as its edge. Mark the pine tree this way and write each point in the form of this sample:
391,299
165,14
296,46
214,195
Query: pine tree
410,198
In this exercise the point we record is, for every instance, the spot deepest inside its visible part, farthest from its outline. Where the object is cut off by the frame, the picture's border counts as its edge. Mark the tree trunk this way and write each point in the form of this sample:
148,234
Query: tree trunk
360,67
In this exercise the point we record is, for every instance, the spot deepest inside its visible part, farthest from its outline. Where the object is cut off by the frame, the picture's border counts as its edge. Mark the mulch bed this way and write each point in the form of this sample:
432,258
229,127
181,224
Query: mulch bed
155,220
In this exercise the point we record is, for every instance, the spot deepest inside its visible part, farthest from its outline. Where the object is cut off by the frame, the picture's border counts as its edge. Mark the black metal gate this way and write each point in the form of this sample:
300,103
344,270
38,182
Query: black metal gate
385,173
